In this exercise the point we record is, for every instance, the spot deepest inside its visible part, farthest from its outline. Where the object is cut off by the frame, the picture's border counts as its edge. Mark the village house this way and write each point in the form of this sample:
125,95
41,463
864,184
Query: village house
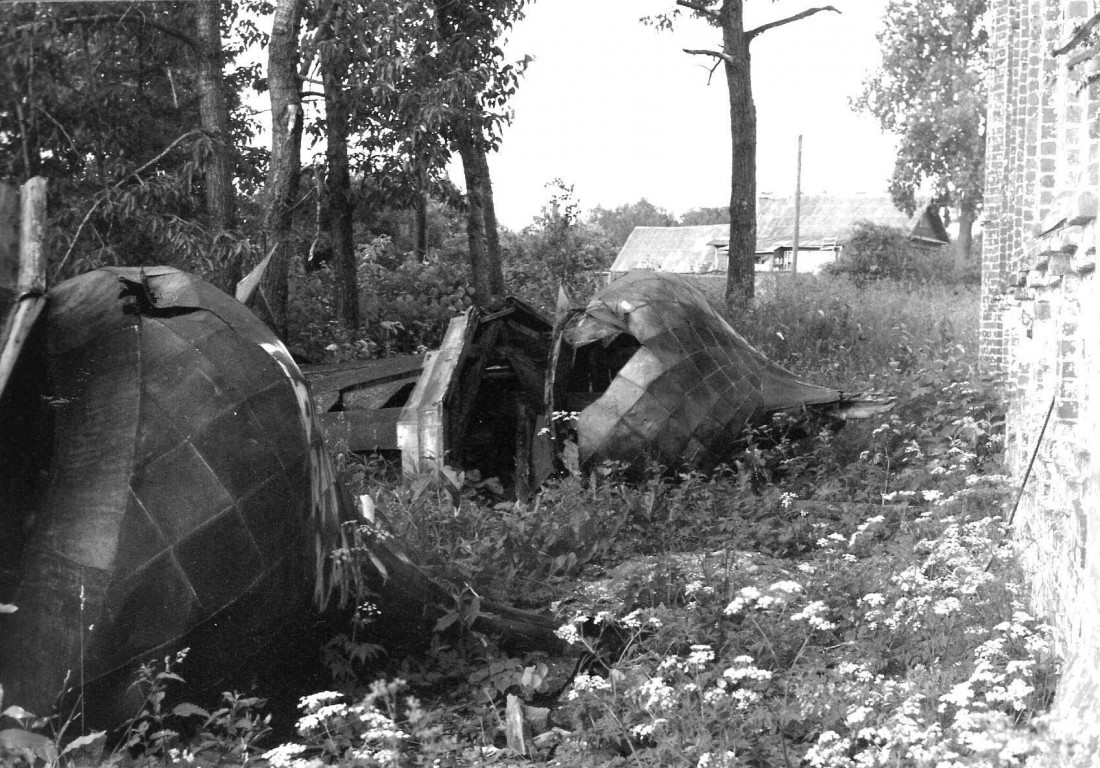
826,223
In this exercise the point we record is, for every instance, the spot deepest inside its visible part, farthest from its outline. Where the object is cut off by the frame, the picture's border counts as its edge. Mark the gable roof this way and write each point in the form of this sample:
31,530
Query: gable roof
831,219
825,220
675,249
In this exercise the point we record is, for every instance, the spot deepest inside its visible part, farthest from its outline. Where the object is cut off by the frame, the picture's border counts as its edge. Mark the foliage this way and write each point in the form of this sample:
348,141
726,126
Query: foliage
619,222
405,306
877,252
701,216
558,249
154,736
104,104
930,91
832,331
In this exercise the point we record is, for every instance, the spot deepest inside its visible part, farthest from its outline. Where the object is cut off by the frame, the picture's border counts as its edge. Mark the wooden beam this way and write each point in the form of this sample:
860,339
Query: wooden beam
28,296
366,430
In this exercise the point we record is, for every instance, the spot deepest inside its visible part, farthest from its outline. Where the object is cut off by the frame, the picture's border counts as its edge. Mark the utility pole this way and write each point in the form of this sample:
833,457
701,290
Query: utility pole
797,208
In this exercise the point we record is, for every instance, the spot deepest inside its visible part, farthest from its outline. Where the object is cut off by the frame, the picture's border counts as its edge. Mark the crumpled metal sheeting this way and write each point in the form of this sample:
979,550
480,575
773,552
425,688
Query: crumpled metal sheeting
687,394
181,504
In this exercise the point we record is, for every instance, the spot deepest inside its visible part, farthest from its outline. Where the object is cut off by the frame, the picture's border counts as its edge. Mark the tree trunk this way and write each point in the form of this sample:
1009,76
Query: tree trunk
492,231
421,223
285,163
967,215
333,71
740,278
221,203
486,274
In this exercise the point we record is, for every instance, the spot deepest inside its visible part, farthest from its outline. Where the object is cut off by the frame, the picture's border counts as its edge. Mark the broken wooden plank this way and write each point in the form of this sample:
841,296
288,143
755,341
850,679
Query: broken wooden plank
420,429
384,395
327,378
366,430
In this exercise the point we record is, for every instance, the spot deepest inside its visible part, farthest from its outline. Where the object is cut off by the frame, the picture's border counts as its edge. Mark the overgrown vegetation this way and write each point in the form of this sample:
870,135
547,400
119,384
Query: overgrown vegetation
876,252
850,600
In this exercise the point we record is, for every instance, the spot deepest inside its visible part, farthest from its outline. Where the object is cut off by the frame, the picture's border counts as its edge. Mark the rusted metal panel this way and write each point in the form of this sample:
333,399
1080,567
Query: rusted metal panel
187,491
684,385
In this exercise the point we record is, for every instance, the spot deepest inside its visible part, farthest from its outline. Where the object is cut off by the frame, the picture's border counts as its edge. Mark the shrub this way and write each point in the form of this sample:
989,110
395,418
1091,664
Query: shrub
405,305
877,252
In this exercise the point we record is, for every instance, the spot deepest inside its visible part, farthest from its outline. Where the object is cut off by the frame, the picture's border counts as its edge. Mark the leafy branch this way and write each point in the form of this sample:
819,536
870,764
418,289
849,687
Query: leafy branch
105,194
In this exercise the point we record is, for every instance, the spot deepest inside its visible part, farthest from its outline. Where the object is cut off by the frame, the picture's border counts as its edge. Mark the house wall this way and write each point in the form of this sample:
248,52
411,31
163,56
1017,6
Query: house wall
810,262
1040,327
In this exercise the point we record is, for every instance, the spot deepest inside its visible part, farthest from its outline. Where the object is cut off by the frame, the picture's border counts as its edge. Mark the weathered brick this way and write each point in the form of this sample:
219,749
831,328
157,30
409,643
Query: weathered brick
1043,143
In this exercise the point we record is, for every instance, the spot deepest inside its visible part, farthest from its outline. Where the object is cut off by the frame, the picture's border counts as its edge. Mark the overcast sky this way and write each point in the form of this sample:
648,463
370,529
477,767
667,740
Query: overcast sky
619,111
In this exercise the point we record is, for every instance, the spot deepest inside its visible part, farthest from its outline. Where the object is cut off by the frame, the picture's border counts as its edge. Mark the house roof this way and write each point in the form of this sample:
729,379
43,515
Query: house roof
824,220
831,219
674,249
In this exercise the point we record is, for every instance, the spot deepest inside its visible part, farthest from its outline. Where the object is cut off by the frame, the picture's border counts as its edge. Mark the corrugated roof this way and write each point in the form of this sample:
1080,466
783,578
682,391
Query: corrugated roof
674,249
824,220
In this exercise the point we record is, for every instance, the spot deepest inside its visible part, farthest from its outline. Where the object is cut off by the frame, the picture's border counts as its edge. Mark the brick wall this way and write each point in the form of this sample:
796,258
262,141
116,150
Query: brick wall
1040,326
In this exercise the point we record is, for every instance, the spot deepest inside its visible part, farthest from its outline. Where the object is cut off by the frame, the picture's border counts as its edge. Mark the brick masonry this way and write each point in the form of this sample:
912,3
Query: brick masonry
1040,322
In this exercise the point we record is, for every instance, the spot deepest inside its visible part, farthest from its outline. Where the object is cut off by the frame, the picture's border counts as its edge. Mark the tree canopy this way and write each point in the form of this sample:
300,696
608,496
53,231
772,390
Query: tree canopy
930,91
618,223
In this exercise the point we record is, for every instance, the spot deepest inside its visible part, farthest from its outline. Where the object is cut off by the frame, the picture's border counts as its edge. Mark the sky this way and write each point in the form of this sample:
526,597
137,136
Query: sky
619,111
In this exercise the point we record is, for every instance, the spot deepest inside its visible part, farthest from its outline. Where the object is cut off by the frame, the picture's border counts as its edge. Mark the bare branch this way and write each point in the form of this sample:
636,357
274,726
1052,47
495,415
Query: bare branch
702,10
704,52
797,17
710,75
1078,36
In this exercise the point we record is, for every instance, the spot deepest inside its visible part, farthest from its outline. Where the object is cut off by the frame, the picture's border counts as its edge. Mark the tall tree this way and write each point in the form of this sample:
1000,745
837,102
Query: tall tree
930,91
481,82
218,191
334,71
728,16
284,167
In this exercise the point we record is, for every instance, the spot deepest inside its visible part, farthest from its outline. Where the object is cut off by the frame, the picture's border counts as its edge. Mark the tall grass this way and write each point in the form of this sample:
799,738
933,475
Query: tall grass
833,332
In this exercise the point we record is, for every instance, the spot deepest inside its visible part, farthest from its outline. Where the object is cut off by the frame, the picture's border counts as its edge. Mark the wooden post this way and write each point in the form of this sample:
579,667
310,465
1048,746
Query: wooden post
797,208
32,265
28,291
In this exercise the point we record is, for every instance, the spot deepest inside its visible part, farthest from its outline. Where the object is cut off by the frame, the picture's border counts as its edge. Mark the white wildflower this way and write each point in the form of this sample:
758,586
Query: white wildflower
309,703
791,587
700,656
568,633
586,683
283,755
947,606
857,715
873,599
